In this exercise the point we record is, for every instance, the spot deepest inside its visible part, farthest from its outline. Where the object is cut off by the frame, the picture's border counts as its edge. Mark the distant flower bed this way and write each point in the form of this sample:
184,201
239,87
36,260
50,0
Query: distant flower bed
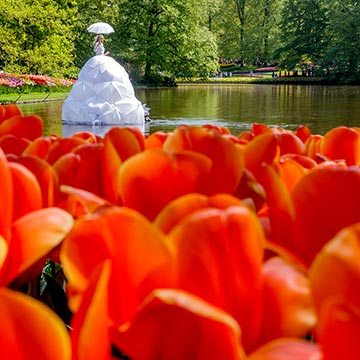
27,83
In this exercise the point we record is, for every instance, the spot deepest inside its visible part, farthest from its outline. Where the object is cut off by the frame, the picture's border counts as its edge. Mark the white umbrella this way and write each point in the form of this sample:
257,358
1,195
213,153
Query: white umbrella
100,28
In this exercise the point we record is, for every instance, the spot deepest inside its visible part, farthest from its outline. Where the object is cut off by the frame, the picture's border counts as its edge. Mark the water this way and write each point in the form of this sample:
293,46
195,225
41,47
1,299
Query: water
236,107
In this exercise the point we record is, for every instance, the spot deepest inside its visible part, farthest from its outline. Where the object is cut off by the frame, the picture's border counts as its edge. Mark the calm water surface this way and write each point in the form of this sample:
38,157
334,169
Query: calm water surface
235,106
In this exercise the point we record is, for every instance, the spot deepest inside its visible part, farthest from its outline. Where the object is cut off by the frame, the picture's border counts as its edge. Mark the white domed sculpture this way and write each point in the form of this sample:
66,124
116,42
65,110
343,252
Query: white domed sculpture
103,95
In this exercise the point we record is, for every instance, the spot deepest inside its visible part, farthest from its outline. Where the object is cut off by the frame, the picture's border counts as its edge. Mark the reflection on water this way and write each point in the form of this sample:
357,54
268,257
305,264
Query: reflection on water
234,106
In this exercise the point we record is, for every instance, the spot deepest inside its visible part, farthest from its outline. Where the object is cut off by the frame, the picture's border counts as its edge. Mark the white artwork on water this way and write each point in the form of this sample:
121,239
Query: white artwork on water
103,95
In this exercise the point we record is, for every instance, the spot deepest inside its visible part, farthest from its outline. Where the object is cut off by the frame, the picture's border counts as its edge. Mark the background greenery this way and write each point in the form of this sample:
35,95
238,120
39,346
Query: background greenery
164,39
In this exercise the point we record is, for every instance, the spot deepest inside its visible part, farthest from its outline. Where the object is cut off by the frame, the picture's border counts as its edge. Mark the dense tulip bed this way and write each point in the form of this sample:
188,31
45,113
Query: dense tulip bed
195,244
19,81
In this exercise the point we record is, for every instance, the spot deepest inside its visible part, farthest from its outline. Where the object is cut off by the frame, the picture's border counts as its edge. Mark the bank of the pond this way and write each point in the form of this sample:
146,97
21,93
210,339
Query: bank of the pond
32,97
291,80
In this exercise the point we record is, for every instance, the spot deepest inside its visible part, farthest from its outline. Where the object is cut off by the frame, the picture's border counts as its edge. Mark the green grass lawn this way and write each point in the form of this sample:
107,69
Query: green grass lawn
18,98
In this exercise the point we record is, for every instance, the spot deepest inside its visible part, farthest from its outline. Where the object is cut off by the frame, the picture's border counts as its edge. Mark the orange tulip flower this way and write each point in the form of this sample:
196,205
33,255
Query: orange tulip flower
219,254
175,325
140,256
227,162
29,329
335,277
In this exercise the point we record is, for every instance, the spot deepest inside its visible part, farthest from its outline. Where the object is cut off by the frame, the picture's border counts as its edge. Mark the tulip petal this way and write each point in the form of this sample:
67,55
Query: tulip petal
33,237
119,144
29,328
149,180
339,261
326,200
288,307
226,159
175,325
219,258
342,143
141,258
288,349
27,189
9,110
338,330
46,176
262,148
91,321
11,144
6,196
29,127
179,208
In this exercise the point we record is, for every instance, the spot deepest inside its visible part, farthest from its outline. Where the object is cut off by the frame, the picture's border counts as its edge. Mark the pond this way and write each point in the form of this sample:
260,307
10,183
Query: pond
235,106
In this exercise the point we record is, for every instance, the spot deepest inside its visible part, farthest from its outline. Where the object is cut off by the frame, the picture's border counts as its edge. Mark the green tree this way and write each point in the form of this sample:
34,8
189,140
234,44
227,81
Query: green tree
303,36
36,37
168,37
342,55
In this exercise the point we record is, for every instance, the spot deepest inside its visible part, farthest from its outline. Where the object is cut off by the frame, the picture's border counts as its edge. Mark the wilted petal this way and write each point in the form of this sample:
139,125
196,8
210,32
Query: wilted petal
288,307
150,180
30,329
219,258
288,349
175,325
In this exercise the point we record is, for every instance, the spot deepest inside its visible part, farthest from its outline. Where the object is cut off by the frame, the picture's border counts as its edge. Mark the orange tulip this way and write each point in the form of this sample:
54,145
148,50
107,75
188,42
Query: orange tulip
334,276
288,349
29,329
185,205
90,334
32,238
140,256
342,143
227,162
156,140
288,307
219,258
8,111
13,145
325,201
151,179
29,127
175,325
119,145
